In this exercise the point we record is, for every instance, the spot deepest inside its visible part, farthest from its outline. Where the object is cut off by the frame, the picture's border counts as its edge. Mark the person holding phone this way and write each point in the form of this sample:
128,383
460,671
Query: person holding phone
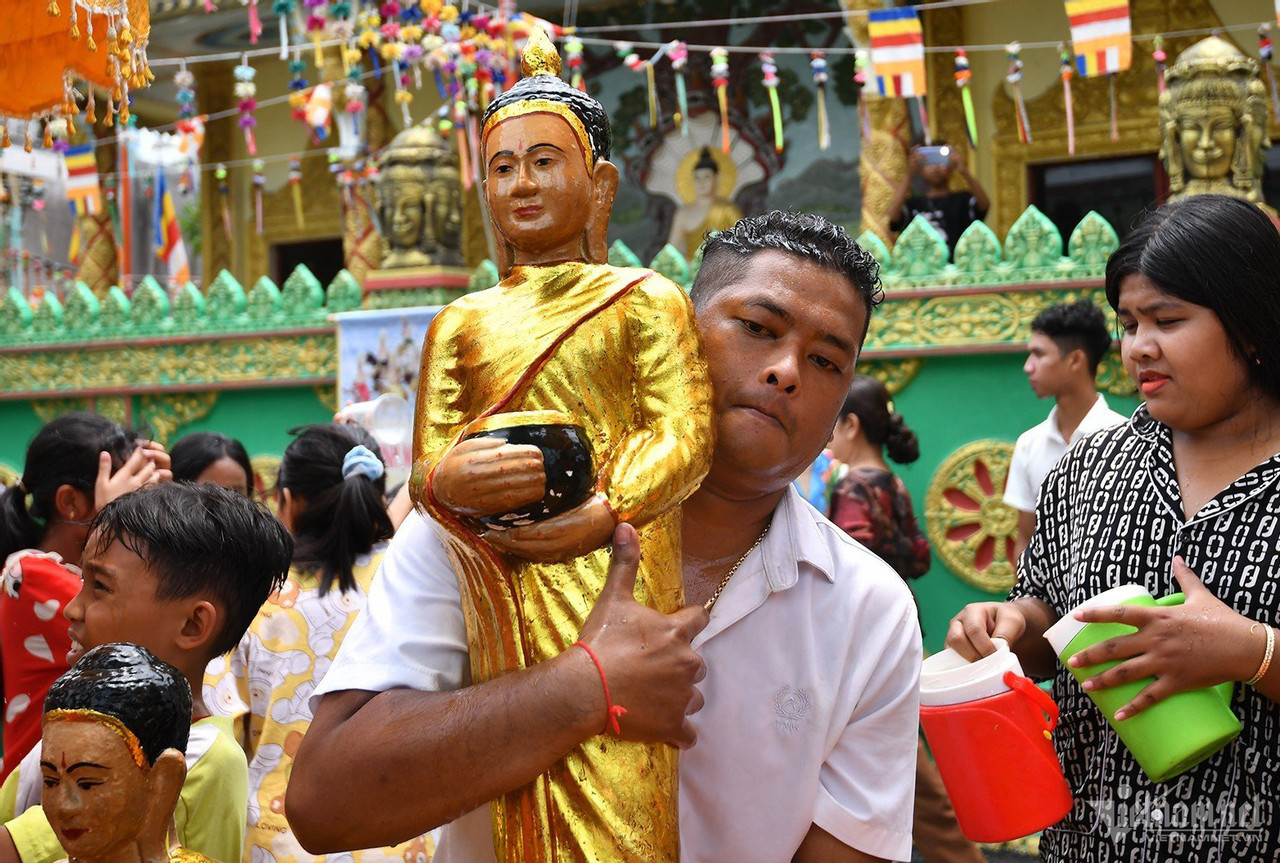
948,212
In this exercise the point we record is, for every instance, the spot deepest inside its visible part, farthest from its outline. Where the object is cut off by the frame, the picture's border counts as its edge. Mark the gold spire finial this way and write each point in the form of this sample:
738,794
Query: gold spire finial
540,56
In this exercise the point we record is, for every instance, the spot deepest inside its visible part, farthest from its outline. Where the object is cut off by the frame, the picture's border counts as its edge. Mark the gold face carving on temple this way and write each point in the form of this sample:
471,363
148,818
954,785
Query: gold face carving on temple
1213,119
419,201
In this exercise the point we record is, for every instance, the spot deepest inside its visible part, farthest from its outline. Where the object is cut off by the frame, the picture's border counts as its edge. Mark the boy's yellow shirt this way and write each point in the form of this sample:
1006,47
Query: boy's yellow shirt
210,812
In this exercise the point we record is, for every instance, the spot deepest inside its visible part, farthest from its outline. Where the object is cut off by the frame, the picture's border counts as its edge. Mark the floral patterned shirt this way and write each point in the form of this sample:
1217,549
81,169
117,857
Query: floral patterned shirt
266,683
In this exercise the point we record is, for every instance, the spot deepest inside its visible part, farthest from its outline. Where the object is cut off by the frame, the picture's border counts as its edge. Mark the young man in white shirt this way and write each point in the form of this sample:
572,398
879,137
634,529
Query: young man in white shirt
805,745
1068,341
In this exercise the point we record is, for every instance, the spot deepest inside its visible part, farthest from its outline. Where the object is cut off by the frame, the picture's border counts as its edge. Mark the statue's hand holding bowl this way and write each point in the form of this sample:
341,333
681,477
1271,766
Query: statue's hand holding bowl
483,477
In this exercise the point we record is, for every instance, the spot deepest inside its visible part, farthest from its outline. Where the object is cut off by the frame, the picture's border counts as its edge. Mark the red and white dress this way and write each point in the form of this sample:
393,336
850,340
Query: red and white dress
33,642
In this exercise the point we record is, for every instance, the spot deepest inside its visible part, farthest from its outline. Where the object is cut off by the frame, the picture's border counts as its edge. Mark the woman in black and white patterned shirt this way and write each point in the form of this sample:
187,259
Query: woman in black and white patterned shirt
1185,496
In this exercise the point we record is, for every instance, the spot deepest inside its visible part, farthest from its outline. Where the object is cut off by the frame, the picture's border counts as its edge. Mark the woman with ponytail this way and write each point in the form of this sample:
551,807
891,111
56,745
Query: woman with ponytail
330,497
872,505
74,465
869,502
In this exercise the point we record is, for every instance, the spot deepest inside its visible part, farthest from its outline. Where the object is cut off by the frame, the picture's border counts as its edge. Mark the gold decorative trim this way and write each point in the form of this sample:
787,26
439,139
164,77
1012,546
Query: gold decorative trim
894,374
971,528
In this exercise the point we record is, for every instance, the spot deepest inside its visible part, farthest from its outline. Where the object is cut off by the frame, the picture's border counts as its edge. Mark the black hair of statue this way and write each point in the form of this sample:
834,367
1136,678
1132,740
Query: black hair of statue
1219,252
338,520
1076,326
127,682
553,89
200,538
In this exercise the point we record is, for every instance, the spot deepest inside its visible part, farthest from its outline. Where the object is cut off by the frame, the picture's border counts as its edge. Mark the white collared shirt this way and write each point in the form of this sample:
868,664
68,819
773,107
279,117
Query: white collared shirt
813,656
1041,447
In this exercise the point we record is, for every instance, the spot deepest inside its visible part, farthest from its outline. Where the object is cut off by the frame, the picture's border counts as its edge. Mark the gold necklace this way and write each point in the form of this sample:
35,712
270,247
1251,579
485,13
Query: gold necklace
719,590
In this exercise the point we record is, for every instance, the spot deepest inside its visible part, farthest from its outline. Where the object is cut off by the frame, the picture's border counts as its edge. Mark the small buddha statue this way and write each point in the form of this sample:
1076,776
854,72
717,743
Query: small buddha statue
420,204
704,209
114,731
1213,121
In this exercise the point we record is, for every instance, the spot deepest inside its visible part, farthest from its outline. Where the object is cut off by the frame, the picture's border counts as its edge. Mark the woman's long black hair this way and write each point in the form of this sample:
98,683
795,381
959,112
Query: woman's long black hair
64,452
339,519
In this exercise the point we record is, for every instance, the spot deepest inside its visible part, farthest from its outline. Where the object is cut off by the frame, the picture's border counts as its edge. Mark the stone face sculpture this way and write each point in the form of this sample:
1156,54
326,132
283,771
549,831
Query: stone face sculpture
1213,119
114,732
420,201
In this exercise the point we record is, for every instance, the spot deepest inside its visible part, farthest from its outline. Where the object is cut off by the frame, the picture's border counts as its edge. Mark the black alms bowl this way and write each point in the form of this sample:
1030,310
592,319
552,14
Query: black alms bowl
566,459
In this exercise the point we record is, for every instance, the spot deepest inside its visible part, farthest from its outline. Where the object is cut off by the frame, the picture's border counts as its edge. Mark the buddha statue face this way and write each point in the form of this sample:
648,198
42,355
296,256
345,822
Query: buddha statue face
95,795
401,188
704,182
1207,135
1213,120
538,187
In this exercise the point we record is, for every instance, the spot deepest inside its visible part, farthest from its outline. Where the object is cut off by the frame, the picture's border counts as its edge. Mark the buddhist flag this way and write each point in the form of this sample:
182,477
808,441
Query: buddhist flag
82,178
169,245
1101,36
897,51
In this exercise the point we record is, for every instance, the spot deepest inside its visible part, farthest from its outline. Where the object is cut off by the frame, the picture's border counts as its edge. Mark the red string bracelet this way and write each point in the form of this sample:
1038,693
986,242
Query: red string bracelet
613,710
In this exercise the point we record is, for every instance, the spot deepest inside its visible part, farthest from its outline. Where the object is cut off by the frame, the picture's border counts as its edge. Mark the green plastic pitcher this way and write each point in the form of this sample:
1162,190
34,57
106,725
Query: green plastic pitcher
1174,735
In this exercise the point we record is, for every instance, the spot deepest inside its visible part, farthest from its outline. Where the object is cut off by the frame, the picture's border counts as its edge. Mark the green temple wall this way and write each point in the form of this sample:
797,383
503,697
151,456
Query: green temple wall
255,361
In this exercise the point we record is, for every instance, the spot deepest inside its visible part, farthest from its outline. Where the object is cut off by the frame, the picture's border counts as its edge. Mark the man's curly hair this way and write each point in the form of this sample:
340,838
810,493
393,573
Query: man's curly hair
806,235
1076,326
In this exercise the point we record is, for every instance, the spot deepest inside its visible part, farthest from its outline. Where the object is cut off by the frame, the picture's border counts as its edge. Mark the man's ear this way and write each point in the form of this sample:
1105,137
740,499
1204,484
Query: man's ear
201,626
164,784
604,187
1077,360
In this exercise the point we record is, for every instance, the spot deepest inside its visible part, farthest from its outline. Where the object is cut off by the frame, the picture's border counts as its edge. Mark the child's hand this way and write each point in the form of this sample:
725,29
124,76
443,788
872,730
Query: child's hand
569,535
1201,643
146,465
487,476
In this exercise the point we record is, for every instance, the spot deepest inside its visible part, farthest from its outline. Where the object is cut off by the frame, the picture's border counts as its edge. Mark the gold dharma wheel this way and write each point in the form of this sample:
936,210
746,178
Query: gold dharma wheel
968,523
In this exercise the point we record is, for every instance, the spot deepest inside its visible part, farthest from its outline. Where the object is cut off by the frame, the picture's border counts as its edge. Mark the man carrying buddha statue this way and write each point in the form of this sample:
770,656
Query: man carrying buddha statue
571,397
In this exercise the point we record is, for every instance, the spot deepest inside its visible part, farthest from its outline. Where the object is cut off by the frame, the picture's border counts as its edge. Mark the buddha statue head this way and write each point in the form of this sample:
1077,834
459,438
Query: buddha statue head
420,204
1213,119
706,171
113,736
544,150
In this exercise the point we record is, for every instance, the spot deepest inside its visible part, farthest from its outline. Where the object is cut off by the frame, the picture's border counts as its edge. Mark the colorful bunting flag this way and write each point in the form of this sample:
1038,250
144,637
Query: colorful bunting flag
1101,36
897,51
82,178
169,245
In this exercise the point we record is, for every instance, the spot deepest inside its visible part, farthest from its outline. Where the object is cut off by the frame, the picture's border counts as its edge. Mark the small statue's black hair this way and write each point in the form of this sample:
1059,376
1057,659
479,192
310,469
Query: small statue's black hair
150,697
592,114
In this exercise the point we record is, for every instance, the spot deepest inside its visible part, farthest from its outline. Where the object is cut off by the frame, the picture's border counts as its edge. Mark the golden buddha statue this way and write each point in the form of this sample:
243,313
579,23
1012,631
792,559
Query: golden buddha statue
1213,119
114,732
704,179
605,355
420,205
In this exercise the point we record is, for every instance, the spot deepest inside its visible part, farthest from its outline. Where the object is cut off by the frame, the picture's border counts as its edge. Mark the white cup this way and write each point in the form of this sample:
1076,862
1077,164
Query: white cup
948,678
387,418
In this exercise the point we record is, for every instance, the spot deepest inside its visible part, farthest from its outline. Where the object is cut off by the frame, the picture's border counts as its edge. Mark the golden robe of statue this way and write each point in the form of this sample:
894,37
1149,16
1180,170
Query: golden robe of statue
617,350
625,361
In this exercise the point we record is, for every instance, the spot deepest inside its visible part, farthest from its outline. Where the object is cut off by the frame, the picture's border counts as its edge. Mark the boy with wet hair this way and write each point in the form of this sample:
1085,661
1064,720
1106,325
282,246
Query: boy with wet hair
180,569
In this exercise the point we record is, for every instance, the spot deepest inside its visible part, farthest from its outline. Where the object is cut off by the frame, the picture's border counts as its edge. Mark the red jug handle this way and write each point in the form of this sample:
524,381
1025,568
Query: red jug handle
1024,686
